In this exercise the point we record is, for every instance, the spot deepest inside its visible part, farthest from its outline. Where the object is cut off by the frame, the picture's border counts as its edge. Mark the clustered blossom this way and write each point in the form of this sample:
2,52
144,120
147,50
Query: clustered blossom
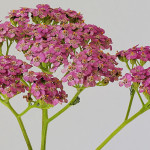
140,76
54,44
11,69
44,14
20,16
90,66
60,37
141,53
46,87
126,80
6,31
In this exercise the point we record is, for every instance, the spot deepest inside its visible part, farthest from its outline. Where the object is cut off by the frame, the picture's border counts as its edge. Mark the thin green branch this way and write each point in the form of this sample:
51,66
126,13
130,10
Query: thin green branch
1,44
24,82
24,133
128,65
141,111
28,108
44,128
8,105
25,111
67,106
140,98
12,109
3,102
138,63
130,103
8,46
45,69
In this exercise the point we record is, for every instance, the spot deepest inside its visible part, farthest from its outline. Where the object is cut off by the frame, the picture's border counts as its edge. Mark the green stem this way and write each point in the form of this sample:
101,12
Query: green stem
141,111
24,82
140,98
8,46
67,106
130,104
44,128
44,69
138,62
25,111
128,65
24,133
1,54
7,104
3,102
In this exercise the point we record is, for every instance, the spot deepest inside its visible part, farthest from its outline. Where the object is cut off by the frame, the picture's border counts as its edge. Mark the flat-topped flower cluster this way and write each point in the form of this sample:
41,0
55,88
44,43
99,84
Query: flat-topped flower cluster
134,53
92,67
11,70
44,14
45,87
138,75
55,44
50,38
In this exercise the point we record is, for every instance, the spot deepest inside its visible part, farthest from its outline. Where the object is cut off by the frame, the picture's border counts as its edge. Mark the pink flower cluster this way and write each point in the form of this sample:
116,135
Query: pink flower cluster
6,31
11,69
90,66
54,44
141,53
140,76
61,37
45,87
44,14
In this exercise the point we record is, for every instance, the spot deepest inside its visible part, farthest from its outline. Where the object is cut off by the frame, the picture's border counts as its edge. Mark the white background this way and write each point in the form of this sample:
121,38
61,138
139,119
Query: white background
101,109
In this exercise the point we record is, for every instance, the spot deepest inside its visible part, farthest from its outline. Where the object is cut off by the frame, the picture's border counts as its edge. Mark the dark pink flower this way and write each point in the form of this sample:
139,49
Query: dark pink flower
126,80
22,45
38,90
29,76
46,87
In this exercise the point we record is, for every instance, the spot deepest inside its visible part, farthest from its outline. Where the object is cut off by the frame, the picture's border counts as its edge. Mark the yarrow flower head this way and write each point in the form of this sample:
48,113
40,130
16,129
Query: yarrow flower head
54,44
11,72
140,78
45,14
59,37
54,37
91,68
136,55
126,80
46,87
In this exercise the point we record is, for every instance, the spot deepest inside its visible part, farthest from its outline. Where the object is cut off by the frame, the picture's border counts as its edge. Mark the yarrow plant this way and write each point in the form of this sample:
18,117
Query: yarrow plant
137,79
53,39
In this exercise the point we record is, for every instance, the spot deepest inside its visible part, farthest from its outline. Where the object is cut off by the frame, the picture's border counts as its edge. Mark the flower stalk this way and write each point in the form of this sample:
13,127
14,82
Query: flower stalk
67,106
130,103
44,128
20,124
46,120
141,111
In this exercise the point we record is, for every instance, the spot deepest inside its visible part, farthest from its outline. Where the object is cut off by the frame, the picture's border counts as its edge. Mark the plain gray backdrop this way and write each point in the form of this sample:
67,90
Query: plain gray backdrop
101,109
